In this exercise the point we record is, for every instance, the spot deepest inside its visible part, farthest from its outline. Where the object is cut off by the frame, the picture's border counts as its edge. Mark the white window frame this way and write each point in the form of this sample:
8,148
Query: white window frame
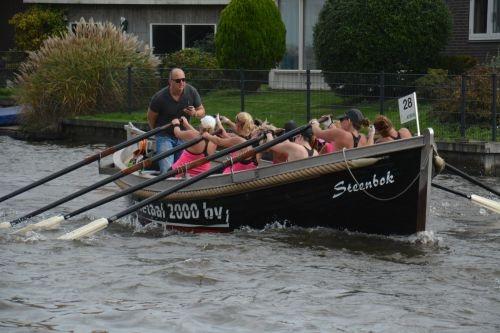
183,31
489,35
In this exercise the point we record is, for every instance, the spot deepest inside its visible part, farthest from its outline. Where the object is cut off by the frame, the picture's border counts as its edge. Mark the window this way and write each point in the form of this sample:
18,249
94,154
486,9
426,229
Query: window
290,15
311,13
300,17
168,38
484,19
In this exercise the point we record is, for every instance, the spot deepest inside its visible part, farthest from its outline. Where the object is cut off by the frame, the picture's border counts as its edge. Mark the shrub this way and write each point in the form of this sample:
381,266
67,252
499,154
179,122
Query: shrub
478,98
434,84
370,36
493,61
457,64
83,72
206,44
200,67
35,25
250,35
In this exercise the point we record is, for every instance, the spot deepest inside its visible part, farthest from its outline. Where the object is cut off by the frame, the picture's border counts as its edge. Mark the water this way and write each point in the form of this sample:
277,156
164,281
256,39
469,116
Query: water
125,279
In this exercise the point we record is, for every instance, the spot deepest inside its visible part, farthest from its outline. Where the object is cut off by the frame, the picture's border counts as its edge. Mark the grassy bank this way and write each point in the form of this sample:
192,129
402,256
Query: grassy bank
280,106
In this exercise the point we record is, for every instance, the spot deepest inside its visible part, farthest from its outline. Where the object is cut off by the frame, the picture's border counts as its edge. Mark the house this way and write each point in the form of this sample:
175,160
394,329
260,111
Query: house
166,25
171,25
476,28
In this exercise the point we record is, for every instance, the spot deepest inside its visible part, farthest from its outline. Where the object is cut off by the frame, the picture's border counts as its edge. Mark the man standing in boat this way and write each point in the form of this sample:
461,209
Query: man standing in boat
177,99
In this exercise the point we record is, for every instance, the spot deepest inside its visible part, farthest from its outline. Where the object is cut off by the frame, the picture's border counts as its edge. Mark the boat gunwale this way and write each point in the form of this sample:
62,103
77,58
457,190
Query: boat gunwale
275,169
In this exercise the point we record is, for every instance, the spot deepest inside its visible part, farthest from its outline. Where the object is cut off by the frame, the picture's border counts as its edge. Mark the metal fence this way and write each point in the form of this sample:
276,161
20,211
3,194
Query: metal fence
9,65
456,107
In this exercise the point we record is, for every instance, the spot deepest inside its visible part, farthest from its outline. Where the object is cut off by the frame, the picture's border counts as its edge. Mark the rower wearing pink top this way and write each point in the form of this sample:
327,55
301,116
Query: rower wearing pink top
244,128
197,151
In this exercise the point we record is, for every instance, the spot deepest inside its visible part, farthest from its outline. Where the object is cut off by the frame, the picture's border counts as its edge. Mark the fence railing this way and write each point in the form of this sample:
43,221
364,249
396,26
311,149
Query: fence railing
457,107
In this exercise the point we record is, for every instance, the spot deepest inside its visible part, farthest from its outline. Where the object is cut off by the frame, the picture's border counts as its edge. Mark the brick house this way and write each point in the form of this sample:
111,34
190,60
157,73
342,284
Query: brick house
476,28
170,25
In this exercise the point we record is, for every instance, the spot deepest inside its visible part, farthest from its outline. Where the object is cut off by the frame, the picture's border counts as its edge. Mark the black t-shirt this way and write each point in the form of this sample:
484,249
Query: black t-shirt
168,108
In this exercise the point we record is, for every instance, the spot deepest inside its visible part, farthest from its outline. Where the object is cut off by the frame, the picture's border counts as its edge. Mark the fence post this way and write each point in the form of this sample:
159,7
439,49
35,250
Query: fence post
494,107
308,95
382,91
242,90
462,108
129,89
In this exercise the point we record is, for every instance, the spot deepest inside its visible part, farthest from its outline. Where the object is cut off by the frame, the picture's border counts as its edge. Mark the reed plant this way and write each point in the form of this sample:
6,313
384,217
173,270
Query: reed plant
84,71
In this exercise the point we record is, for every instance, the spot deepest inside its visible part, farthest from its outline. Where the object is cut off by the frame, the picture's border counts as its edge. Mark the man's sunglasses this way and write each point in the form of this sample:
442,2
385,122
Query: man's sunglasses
179,80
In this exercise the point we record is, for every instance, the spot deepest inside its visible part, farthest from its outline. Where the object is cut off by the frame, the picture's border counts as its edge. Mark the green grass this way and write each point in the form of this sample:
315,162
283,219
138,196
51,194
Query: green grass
280,106
6,93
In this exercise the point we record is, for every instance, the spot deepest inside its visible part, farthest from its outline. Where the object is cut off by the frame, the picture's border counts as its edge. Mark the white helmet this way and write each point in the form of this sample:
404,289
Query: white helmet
208,122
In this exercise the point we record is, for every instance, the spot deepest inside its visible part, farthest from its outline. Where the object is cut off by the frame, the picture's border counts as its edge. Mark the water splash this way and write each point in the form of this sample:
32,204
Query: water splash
426,238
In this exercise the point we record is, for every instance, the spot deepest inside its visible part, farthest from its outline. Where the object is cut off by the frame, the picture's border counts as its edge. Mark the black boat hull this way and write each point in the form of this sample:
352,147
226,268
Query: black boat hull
387,193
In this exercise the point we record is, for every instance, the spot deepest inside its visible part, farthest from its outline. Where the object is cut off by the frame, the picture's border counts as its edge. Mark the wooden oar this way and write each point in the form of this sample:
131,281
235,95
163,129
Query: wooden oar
84,162
102,223
161,177
471,179
56,220
484,202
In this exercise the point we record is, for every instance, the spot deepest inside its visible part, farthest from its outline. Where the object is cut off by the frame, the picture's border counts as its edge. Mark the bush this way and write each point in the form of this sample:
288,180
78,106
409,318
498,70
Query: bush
206,44
250,35
457,64
200,68
478,98
434,85
35,25
83,72
372,36
493,61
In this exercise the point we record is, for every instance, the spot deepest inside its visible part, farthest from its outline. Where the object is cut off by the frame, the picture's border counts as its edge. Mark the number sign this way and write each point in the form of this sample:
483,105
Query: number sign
408,109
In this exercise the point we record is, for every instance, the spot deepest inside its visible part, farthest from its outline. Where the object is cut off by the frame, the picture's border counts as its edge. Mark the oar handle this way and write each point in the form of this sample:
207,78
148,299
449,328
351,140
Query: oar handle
84,162
108,180
472,180
113,149
215,169
447,189
166,175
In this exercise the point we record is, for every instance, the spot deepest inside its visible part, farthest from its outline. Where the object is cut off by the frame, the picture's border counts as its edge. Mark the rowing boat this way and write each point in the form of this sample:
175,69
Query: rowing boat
380,189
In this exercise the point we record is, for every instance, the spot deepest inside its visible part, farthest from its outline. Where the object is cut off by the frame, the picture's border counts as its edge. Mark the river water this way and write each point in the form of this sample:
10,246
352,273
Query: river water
124,279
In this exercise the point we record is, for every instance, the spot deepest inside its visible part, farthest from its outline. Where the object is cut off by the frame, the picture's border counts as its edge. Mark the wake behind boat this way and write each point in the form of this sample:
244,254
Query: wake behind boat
382,189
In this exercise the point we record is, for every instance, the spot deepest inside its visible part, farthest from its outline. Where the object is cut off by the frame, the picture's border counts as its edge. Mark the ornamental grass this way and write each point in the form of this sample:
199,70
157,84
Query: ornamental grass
83,72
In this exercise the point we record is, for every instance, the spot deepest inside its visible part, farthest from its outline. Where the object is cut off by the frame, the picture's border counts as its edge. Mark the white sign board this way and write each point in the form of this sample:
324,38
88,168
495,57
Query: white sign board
408,109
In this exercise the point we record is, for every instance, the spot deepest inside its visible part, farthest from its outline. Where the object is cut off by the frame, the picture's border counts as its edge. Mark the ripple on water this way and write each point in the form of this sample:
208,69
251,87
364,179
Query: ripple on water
279,279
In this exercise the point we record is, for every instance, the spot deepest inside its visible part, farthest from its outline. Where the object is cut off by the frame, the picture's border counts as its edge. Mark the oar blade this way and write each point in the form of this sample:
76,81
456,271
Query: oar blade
86,230
47,224
5,225
486,203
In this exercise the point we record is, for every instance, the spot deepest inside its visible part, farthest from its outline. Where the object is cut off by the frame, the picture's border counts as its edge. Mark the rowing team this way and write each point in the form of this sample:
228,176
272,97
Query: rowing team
315,140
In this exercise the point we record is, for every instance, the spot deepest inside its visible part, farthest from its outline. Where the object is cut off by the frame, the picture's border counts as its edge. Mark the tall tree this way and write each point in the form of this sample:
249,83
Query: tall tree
376,35
250,35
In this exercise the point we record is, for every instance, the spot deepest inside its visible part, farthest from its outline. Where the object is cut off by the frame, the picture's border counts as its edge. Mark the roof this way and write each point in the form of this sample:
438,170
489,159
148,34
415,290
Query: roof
131,2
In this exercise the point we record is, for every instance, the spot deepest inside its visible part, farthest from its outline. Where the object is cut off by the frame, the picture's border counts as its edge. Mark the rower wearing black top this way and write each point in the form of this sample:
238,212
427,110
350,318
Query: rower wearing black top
347,136
387,132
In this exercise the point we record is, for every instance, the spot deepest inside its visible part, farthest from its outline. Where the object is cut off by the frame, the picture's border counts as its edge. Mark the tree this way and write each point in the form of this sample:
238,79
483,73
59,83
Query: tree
250,35
35,25
374,35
